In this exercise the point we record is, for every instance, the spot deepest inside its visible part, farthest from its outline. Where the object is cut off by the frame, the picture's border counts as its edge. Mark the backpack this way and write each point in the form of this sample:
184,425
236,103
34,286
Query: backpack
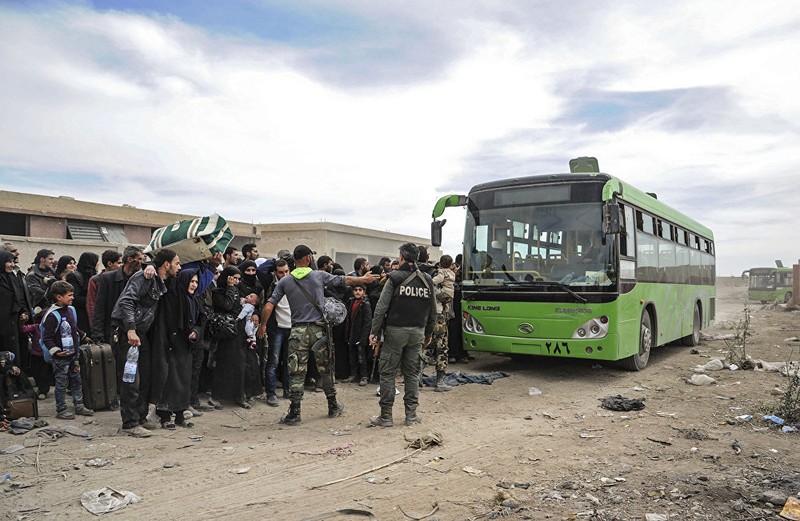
59,319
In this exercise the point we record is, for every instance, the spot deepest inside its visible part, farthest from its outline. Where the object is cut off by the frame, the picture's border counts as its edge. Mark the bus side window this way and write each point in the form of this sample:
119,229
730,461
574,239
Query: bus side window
627,247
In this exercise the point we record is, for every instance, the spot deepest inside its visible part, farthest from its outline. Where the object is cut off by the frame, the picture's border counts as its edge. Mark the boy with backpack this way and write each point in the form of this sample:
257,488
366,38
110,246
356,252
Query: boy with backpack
60,338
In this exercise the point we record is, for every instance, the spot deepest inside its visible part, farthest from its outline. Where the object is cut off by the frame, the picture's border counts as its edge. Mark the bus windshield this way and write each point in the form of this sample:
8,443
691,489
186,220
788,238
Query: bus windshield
535,244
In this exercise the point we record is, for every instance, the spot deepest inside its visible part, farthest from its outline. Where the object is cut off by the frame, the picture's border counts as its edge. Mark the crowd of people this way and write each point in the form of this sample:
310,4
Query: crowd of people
228,330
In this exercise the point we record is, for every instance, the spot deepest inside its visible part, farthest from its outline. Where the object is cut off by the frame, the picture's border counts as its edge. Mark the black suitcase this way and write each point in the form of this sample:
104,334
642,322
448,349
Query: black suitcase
98,376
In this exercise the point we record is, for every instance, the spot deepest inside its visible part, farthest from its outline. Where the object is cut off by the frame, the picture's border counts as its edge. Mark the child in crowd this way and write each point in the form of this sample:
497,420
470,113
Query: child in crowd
359,321
61,336
249,304
40,370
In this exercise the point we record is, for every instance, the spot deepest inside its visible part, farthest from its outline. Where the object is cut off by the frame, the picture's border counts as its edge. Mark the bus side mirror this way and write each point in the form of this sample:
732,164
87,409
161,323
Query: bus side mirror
436,232
611,218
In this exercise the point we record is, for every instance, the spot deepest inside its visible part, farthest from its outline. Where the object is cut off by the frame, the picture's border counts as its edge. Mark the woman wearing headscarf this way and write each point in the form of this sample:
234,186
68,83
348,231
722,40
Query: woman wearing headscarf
87,268
231,360
13,305
255,358
66,265
179,325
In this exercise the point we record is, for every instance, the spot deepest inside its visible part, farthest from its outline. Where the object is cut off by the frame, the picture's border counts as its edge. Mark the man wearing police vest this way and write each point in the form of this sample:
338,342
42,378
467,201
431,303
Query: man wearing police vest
406,312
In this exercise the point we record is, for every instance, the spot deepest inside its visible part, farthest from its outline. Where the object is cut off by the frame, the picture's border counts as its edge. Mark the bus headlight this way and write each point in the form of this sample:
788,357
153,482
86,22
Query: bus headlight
594,328
471,324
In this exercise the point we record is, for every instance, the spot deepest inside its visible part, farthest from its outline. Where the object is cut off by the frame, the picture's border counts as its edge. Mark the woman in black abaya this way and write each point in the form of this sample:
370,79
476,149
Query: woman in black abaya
179,325
229,373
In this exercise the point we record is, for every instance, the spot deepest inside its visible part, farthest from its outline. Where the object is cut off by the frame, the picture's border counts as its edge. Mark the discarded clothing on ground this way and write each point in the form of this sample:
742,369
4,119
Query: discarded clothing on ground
23,425
107,499
453,379
620,403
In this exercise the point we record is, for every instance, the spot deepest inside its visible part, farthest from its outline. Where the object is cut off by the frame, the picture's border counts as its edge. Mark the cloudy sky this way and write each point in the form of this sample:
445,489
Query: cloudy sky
364,113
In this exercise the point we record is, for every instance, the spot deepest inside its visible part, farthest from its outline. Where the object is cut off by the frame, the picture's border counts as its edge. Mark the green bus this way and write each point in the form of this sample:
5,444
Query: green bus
580,265
770,284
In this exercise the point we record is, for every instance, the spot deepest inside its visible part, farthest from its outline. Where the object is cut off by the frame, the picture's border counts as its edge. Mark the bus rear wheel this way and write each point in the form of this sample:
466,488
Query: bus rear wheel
638,361
693,339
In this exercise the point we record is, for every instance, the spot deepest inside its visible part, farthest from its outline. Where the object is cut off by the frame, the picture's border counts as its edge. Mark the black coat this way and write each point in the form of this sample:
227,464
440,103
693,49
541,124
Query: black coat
109,288
359,323
10,309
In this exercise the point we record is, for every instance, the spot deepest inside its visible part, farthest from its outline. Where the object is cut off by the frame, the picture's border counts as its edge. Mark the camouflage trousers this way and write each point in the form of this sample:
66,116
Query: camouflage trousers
302,340
437,353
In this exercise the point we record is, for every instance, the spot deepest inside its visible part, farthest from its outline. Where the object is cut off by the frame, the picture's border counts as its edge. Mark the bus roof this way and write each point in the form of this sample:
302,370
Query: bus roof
613,185
772,269
645,201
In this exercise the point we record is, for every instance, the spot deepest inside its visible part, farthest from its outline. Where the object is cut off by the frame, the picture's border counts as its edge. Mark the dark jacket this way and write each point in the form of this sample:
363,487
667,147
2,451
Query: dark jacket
38,282
11,306
109,288
51,336
136,307
358,323
80,284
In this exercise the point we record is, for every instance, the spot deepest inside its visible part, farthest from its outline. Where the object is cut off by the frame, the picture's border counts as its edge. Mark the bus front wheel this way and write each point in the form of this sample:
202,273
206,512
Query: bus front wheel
638,361
693,338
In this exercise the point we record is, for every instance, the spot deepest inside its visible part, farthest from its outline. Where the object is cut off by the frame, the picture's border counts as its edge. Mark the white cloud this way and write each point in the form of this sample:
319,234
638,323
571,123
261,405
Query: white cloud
151,104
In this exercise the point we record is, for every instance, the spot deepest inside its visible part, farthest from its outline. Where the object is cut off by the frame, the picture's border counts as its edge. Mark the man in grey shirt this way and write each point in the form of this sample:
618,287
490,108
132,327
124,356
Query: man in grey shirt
308,327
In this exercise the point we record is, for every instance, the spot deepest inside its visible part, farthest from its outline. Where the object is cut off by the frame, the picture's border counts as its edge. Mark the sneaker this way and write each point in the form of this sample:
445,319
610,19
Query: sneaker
41,396
136,432
201,407
194,411
168,425
363,382
84,411
272,400
65,415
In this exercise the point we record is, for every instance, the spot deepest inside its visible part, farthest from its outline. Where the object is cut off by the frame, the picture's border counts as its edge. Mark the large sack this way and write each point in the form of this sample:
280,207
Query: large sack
193,240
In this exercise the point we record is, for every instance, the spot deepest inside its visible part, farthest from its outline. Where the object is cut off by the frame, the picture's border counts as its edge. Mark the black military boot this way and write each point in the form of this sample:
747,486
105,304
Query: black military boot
412,418
440,385
293,416
384,420
334,408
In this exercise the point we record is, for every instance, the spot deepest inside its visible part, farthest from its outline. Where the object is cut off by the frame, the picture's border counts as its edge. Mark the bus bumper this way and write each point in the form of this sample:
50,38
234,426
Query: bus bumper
605,348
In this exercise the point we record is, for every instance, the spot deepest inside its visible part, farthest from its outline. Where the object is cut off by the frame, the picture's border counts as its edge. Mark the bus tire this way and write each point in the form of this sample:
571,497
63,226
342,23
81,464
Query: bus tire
787,297
693,338
638,361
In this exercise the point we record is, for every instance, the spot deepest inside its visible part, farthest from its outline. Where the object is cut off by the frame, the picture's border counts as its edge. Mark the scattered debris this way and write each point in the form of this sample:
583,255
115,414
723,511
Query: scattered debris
196,437
420,518
715,364
774,419
97,462
506,485
694,434
662,442
345,449
11,449
533,391
700,379
241,470
423,442
107,499
791,509
620,403
374,480
656,517
472,471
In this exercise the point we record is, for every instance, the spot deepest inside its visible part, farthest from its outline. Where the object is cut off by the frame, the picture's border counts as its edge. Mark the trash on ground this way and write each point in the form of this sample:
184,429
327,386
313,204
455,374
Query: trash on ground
534,391
423,442
241,470
656,517
97,462
375,480
455,379
789,428
620,403
701,379
472,471
745,417
340,450
107,499
791,510
75,431
196,437
11,449
715,364
507,485
774,419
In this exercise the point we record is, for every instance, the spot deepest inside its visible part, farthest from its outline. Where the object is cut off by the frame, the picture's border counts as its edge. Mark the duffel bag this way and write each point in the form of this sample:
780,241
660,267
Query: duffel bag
193,240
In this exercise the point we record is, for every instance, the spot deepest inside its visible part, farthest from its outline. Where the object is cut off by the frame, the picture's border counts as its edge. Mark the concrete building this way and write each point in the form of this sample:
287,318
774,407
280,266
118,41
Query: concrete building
71,227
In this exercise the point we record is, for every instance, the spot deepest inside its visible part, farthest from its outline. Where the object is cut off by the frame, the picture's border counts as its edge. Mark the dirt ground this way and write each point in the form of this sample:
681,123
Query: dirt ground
564,456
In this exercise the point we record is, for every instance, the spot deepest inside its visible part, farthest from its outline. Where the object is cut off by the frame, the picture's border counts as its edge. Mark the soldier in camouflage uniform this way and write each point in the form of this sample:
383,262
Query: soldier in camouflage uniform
308,327
437,351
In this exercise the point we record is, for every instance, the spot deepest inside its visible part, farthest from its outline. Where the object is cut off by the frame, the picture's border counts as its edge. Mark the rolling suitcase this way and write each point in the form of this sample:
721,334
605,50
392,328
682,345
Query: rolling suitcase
98,376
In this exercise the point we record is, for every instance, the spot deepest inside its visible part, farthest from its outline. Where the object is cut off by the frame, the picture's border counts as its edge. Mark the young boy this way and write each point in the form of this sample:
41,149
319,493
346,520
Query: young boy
249,304
61,338
359,321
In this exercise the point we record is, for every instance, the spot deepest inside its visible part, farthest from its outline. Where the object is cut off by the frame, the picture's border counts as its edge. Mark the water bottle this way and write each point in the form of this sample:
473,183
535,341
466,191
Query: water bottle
129,375
67,343
4,478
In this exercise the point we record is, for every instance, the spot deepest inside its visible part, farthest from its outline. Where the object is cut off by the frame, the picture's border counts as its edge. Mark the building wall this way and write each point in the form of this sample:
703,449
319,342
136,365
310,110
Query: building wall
52,227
